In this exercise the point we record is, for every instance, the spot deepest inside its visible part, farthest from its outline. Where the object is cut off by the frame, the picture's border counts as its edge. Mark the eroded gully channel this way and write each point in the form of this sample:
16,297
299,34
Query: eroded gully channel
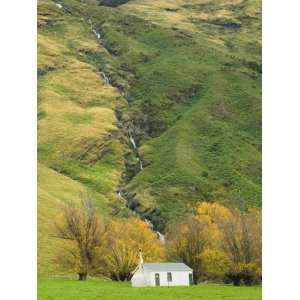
130,135
129,129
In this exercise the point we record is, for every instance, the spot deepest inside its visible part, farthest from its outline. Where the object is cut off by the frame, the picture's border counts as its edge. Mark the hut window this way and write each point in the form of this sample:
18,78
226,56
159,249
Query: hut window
169,276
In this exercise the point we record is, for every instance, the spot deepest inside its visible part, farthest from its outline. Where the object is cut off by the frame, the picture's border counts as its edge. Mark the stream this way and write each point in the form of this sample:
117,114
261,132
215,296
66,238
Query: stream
96,33
159,235
106,79
133,143
130,131
135,149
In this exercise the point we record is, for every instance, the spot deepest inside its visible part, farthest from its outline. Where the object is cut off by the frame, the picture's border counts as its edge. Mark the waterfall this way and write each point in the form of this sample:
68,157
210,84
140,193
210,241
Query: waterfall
97,34
141,163
161,237
106,79
120,196
149,223
132,140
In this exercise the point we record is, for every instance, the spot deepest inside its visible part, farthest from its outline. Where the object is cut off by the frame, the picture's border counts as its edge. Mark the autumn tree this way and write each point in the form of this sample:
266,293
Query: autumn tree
242,243
186,241
215,261
122,241
218,243
83,231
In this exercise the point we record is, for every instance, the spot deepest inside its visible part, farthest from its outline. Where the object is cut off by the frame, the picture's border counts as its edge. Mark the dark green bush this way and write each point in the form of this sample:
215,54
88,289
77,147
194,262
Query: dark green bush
112,3
246,276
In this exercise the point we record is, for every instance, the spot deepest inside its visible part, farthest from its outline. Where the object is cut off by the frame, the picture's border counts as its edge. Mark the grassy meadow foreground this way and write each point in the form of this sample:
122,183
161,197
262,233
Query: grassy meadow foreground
66,289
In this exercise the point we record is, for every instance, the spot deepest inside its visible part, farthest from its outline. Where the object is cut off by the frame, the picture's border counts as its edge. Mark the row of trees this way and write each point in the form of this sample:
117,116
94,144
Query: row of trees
217,242
95,248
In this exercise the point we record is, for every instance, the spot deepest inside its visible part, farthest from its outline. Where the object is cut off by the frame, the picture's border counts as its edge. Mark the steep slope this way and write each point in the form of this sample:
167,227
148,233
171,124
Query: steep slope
79,144
78,132
77,126
190,72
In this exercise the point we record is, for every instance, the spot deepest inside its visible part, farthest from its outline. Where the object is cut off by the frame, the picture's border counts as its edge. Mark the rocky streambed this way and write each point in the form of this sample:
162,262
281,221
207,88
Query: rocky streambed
129,129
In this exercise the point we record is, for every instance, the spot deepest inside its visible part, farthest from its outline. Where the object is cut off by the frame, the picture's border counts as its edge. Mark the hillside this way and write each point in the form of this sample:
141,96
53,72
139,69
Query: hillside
78,139
180,80
54,190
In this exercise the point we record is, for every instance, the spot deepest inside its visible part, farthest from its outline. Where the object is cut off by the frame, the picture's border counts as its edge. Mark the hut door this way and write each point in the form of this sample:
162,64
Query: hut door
191,279
157,281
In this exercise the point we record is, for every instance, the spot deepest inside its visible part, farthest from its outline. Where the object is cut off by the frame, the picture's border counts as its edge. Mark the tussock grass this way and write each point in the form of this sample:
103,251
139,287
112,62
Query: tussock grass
77,126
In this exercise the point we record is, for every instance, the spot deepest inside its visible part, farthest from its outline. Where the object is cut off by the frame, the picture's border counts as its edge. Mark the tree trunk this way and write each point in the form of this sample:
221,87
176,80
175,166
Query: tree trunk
82,276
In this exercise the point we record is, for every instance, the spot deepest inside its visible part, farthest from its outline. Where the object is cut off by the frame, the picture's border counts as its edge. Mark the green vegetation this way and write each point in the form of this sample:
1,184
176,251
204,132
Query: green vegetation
68,289
194,100
191,73
112,3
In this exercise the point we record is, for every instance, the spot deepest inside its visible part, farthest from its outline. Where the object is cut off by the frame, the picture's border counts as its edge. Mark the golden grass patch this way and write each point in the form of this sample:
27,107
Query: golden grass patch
49,52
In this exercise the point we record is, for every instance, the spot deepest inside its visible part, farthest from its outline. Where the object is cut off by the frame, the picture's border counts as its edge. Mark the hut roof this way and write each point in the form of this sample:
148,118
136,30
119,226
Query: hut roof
160,267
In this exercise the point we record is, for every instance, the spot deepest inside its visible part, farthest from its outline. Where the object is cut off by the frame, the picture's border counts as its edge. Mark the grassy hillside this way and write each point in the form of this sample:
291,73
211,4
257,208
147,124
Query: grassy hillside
79,144
77,132
64,289
184,77
191,72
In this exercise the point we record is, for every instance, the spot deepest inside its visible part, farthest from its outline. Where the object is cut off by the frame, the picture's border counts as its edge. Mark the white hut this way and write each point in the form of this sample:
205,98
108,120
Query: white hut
161,274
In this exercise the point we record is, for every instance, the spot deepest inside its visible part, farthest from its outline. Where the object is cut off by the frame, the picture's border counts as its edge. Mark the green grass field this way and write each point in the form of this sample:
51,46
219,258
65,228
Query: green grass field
66,289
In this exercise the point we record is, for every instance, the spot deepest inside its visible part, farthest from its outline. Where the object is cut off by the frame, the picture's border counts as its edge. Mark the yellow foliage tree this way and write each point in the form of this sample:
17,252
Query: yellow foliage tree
187,240
217,241
82,230
239,239
215,263
122,241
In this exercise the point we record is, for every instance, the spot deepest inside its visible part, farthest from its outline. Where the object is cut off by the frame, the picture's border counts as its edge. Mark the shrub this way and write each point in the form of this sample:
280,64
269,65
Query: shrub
112,3
248,274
